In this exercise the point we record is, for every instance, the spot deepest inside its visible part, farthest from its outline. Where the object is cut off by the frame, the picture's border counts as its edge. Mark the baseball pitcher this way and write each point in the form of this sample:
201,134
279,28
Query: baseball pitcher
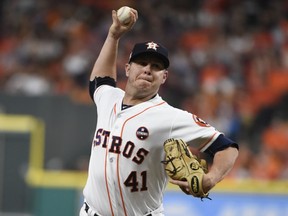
141,142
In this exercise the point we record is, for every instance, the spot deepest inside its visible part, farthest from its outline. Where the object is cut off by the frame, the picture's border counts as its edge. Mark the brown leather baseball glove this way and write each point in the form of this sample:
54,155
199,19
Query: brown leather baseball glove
181,164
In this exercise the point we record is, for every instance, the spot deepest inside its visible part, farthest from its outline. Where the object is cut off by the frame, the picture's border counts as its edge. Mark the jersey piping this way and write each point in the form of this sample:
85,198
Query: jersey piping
204,145
114,109
106,182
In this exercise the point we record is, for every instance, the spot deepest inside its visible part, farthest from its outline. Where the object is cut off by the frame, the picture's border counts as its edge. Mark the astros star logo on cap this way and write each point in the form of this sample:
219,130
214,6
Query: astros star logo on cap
152,45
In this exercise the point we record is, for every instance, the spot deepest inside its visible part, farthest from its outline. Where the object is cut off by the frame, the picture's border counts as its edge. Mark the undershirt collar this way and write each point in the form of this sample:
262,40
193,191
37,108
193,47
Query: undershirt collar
125,106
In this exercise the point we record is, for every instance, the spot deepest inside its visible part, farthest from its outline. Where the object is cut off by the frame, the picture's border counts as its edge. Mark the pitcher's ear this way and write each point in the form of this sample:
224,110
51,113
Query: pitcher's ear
127,69
165,76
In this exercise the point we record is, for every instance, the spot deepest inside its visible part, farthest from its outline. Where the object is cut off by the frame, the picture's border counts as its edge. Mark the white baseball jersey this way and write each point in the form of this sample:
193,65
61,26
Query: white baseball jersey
126,176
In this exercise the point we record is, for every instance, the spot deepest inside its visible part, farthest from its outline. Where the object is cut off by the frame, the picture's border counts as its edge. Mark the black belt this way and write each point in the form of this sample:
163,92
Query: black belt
87,208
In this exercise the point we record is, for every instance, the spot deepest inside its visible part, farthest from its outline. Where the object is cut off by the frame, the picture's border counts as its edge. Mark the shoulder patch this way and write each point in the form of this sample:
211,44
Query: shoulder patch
200,121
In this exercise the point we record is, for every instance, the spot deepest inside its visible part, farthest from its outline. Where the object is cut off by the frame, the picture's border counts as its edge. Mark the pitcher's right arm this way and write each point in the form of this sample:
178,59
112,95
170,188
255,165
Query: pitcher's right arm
105,64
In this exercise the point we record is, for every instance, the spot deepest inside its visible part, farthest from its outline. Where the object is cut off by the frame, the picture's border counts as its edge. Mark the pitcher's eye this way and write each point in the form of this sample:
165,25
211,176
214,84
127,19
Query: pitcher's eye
142,63
157,66
154,65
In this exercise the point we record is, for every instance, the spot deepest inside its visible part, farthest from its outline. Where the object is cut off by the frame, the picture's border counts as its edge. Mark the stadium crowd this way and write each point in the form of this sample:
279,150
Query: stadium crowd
229,62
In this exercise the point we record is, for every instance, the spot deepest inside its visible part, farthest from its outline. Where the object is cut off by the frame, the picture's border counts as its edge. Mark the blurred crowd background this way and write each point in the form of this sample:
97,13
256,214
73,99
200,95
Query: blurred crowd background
229,62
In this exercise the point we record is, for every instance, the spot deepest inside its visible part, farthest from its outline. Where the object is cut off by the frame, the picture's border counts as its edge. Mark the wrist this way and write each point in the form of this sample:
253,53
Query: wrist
209,181
113,34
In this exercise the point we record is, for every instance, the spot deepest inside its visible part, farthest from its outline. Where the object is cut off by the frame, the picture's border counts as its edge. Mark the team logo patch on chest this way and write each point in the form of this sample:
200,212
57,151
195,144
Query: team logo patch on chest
142,133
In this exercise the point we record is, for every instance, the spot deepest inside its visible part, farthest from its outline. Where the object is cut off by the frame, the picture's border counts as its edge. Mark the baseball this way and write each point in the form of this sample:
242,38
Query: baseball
123,14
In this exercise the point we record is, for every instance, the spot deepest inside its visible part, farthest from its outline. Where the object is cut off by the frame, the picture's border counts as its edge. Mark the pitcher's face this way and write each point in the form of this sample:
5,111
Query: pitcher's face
146,74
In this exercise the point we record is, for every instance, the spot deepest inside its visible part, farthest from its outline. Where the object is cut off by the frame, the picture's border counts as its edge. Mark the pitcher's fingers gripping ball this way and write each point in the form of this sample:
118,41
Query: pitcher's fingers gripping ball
181,164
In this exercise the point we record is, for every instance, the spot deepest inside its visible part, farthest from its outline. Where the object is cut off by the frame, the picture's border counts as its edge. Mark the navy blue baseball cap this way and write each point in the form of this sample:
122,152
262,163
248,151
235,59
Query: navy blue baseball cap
150,48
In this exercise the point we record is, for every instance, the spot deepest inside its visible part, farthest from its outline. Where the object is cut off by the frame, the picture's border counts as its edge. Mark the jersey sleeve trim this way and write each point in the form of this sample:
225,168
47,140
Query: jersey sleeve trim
205,145
97,82
92,88
105,81
220,144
